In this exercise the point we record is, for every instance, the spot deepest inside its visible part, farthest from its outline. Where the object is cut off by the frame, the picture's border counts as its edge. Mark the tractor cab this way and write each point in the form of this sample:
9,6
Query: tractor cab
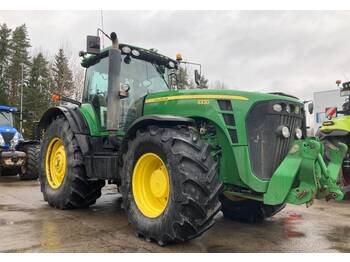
345,91
340,124
9,136
142,72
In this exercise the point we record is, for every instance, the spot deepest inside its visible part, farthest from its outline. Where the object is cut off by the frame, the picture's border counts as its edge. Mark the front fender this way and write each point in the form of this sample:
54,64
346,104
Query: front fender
147,120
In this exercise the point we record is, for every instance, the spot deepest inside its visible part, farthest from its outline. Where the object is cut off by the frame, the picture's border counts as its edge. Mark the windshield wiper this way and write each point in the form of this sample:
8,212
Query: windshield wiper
5,116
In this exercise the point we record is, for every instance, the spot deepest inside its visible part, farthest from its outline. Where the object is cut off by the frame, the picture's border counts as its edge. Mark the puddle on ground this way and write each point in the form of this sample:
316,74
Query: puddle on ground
14,181
16,208
340,238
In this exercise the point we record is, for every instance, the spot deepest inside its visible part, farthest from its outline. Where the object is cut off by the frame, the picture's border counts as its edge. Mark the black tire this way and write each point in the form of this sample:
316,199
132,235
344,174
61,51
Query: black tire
10,171
343,182
248,211
32,162
76,191
194,184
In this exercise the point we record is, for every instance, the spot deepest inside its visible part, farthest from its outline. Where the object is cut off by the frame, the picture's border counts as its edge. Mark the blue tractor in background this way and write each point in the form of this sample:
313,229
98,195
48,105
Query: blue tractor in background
17,155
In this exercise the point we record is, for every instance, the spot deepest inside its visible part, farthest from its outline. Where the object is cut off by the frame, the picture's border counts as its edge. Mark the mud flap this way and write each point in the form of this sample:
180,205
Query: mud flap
303,175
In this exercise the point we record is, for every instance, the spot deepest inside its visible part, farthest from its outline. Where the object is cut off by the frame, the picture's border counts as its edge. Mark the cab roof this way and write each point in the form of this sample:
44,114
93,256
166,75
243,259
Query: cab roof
8,109
144,54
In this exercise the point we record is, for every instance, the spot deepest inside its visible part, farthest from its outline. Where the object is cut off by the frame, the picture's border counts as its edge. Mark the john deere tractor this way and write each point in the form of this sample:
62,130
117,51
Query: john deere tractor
178,156
337,130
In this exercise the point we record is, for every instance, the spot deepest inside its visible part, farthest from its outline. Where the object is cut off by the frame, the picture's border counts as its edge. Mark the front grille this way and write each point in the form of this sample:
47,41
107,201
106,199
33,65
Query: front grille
7,137
267,148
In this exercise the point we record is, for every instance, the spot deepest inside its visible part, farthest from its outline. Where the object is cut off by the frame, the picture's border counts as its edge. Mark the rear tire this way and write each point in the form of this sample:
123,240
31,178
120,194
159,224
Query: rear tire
248,211
75,190
32,162
194,185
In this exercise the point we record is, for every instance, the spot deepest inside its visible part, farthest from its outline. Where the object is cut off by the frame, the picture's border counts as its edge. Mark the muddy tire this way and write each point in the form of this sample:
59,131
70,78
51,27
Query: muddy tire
344,183
74,190
247,211
32,162
193,198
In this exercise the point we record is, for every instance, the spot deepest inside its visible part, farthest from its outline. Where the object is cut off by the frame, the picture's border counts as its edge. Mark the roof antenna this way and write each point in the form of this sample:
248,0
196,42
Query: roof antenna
103,39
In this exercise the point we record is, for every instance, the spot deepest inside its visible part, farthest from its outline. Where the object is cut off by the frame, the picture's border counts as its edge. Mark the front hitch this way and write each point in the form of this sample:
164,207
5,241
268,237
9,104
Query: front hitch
309,171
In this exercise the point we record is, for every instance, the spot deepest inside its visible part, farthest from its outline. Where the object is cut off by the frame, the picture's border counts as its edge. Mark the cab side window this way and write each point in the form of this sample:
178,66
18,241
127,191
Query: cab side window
96,89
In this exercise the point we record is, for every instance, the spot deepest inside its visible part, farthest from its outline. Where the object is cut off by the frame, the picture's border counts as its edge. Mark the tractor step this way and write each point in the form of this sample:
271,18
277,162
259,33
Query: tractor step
102,165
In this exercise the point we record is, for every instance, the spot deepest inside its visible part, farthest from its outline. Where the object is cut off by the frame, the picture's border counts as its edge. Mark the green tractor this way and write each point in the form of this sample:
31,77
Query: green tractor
337,130
178,157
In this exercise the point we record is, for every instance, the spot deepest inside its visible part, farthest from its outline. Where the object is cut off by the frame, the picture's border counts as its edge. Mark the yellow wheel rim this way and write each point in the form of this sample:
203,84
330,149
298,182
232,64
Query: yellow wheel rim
55,162
150,185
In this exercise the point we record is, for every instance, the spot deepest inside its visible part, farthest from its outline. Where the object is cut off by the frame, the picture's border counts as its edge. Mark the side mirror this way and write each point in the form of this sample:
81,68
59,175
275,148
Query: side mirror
93,44
124,91
197,77
310,107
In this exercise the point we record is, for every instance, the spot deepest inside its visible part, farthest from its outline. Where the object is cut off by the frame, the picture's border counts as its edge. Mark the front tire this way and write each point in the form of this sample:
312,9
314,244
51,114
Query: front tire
63,178
247,211
184,202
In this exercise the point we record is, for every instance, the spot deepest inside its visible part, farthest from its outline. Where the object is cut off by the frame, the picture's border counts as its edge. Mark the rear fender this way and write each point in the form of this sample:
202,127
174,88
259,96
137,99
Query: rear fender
76,122
75,118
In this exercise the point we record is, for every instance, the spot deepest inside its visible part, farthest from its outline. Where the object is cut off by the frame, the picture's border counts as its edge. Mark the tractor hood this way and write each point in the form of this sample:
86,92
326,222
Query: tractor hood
247,124
7,129
7,133
216,94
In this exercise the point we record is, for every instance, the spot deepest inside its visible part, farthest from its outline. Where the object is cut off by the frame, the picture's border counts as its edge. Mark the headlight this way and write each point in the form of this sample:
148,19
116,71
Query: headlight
2,141
135,52
284,131
277,107
298,133
288,109
126,50
16,138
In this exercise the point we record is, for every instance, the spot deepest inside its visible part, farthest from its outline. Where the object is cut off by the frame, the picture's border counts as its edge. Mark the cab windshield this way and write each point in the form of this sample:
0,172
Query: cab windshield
141,77
6,118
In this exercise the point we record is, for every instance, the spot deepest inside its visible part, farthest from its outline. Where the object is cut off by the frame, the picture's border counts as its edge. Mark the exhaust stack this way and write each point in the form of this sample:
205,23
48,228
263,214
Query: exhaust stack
113,98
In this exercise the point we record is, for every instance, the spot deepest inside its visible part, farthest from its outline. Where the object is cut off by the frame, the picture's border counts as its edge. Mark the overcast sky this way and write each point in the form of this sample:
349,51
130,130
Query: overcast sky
298,52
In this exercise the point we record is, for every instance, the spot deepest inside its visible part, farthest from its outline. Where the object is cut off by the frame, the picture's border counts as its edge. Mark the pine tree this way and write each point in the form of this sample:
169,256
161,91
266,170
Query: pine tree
5,34
62,75
182,78
37,97
19,56
37,93
203,82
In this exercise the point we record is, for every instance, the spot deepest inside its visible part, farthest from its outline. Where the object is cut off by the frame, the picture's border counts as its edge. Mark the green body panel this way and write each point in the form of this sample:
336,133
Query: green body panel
303,165
341,123
91,118
235,165
93,123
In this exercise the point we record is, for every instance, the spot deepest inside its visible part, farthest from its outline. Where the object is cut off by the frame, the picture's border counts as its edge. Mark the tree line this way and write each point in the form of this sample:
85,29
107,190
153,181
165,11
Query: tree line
39,75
